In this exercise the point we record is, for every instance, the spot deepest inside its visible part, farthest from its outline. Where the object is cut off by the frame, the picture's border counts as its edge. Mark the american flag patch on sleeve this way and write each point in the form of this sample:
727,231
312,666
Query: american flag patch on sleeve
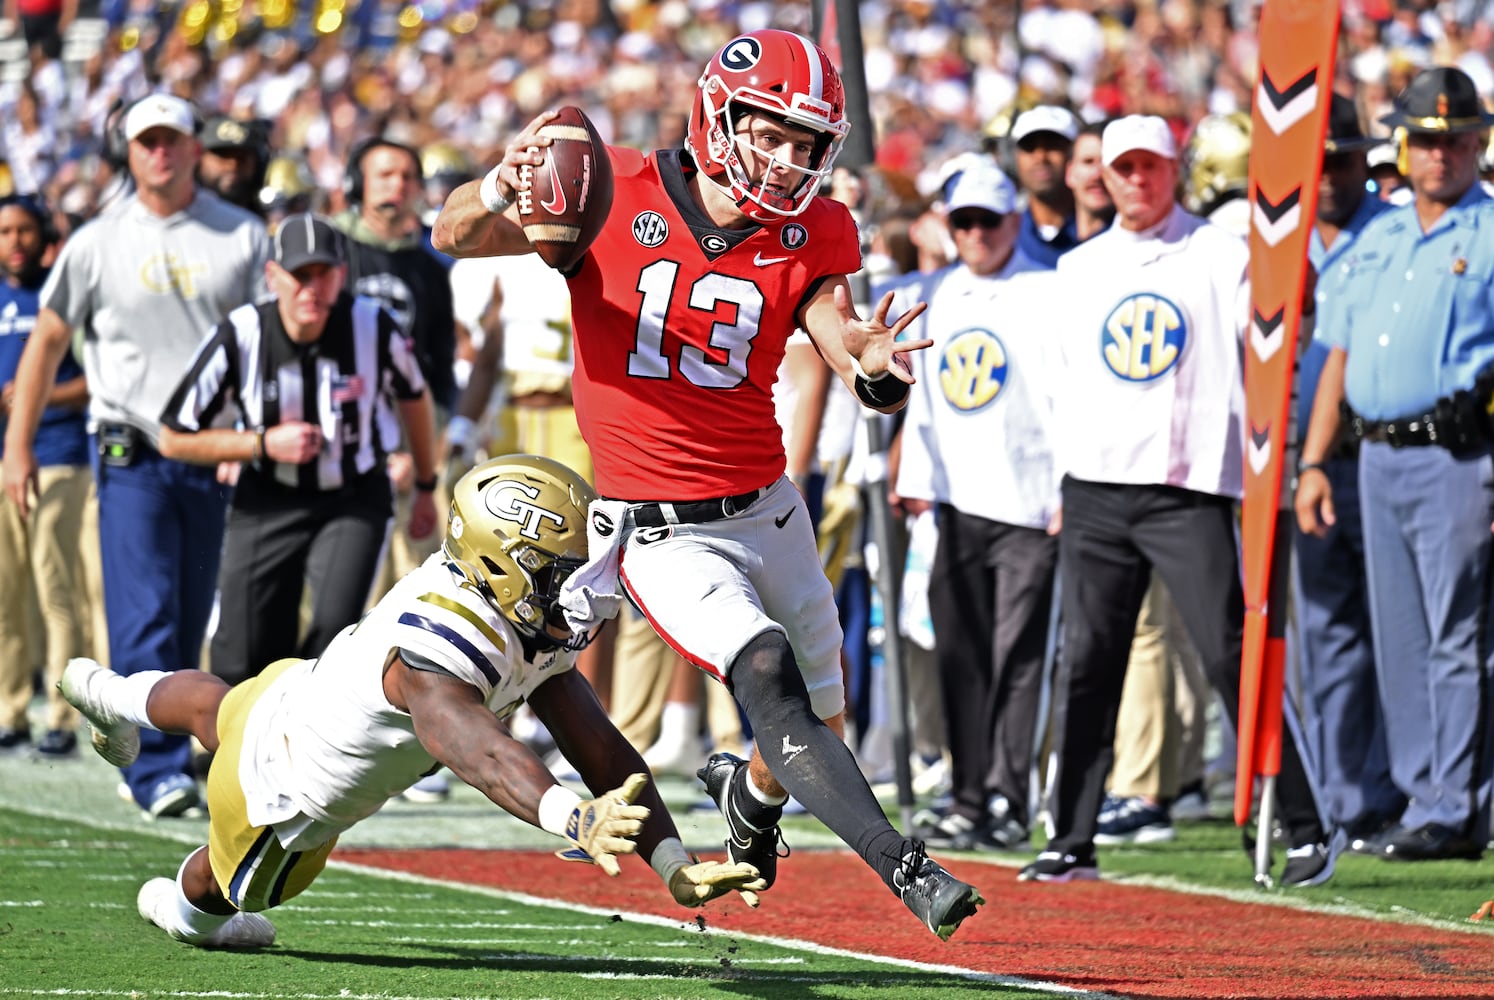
346,388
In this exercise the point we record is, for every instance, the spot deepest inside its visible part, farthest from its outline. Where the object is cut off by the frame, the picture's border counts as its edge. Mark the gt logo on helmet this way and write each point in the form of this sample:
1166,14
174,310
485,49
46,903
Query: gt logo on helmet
510,500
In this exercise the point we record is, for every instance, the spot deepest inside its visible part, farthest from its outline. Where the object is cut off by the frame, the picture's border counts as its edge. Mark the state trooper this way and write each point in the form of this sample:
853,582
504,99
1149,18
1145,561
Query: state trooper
1344,721
1412,341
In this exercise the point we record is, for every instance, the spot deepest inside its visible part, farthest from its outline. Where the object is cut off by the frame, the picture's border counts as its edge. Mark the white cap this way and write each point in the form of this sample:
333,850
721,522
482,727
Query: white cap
1145,132
159,110
1385,153
1046,118
982,187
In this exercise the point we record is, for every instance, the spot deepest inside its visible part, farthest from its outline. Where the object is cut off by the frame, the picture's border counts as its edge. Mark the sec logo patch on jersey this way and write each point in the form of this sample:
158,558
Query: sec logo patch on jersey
1143,338
972,369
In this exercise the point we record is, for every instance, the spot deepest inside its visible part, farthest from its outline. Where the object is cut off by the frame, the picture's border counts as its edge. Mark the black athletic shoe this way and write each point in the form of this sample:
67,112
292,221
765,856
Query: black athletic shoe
758,848
935,896
1056,866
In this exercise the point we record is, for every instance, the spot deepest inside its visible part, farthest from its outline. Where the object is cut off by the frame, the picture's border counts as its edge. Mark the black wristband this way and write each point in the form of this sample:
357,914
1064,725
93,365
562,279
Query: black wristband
1309,466
426,485
878,393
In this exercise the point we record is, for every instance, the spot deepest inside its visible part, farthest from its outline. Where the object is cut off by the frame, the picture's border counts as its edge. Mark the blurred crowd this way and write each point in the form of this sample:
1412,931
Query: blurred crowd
290,93
943,77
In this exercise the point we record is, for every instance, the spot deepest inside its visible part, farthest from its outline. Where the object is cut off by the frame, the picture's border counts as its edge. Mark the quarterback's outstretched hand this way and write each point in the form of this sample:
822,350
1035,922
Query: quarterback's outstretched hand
872,343
600,827
698,884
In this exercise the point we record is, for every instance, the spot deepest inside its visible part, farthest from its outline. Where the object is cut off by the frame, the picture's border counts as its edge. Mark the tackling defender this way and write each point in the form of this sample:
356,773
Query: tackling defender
709,259
311,747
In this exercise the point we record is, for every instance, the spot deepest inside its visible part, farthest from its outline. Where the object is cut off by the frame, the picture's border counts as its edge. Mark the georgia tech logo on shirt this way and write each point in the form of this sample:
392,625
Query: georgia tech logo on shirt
166,274
972,369
1143,337
510,500
650,229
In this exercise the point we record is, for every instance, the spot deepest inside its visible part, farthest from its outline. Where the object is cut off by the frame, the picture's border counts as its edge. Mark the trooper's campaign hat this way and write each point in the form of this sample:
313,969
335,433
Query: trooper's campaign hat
1344,134
1440,99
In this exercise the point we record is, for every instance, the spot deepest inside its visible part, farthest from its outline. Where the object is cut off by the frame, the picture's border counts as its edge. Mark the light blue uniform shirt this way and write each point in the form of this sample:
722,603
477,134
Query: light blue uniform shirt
1330,263
1415,311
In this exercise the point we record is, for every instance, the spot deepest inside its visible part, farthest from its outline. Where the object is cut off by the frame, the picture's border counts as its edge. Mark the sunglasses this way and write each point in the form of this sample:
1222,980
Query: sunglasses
978,218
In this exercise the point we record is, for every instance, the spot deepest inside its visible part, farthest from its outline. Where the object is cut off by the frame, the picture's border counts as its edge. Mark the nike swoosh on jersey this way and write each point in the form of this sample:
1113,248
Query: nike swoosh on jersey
556,204
762,261
779,522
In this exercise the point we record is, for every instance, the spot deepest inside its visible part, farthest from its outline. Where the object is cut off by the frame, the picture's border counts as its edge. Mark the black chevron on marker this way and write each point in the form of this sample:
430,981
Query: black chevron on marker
1274,212
1267,325
1281,98
1260,436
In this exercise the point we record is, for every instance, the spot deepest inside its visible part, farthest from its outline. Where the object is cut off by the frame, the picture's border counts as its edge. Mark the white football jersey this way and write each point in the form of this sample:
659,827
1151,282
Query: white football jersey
325,742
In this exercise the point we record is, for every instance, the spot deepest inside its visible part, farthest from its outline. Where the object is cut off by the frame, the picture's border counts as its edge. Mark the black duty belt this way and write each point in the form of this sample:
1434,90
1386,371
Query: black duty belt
657,515
1409,432
1458,423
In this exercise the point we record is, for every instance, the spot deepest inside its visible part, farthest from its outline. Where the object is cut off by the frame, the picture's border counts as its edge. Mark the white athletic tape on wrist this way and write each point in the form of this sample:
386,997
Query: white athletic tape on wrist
487,191
555,808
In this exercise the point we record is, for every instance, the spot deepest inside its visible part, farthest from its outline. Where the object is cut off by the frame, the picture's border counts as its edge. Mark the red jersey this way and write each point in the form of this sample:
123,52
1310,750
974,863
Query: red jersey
679,331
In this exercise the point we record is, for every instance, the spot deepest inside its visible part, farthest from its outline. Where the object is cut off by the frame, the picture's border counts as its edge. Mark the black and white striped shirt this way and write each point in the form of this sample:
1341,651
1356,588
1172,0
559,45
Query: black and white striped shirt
346,382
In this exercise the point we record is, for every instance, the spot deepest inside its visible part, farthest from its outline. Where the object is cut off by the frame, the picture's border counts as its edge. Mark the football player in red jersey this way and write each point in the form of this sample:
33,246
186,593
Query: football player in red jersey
709,259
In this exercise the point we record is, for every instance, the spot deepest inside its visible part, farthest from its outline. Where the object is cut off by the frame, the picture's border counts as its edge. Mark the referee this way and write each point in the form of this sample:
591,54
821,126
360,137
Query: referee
320,381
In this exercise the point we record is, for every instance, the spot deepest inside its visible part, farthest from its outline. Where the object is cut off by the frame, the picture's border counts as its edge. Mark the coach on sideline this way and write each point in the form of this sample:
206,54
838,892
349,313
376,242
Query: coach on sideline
143,281
316,376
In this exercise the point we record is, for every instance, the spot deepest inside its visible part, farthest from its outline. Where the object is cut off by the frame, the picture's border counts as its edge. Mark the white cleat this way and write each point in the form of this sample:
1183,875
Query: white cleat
157,903
82,684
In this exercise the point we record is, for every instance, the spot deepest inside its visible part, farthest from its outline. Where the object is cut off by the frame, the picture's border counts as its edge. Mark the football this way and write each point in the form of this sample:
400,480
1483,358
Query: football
564,201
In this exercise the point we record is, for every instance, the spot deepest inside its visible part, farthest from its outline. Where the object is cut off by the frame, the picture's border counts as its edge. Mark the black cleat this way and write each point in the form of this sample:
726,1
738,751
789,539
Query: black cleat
935,896
758,848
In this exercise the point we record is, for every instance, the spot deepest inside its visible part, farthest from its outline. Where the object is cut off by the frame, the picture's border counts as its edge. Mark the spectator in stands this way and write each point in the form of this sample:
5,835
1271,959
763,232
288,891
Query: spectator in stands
1044,139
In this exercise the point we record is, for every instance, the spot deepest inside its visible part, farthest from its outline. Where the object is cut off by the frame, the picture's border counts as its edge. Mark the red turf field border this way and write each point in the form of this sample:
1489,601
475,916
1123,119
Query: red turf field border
1127,940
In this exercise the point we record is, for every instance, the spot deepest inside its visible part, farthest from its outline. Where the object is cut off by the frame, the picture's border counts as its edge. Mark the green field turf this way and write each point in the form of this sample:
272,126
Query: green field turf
68,927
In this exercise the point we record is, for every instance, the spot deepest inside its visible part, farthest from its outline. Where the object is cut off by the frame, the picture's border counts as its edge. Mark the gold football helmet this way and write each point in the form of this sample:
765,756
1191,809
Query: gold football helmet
445,159
516,533
289,186
1216,161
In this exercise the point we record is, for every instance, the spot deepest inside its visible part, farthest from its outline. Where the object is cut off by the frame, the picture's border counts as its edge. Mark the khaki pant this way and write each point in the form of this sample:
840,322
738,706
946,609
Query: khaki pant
1159,734
40,561
643,665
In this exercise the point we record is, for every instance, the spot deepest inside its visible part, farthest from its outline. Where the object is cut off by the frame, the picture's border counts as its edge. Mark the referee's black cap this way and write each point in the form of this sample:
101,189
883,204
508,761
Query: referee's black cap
306,238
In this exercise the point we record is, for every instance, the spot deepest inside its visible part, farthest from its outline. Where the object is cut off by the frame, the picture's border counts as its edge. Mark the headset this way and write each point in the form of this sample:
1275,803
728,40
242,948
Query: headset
34,206
352,178
116,146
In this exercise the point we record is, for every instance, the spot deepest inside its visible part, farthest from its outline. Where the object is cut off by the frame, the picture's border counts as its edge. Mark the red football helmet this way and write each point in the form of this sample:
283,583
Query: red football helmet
783,75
